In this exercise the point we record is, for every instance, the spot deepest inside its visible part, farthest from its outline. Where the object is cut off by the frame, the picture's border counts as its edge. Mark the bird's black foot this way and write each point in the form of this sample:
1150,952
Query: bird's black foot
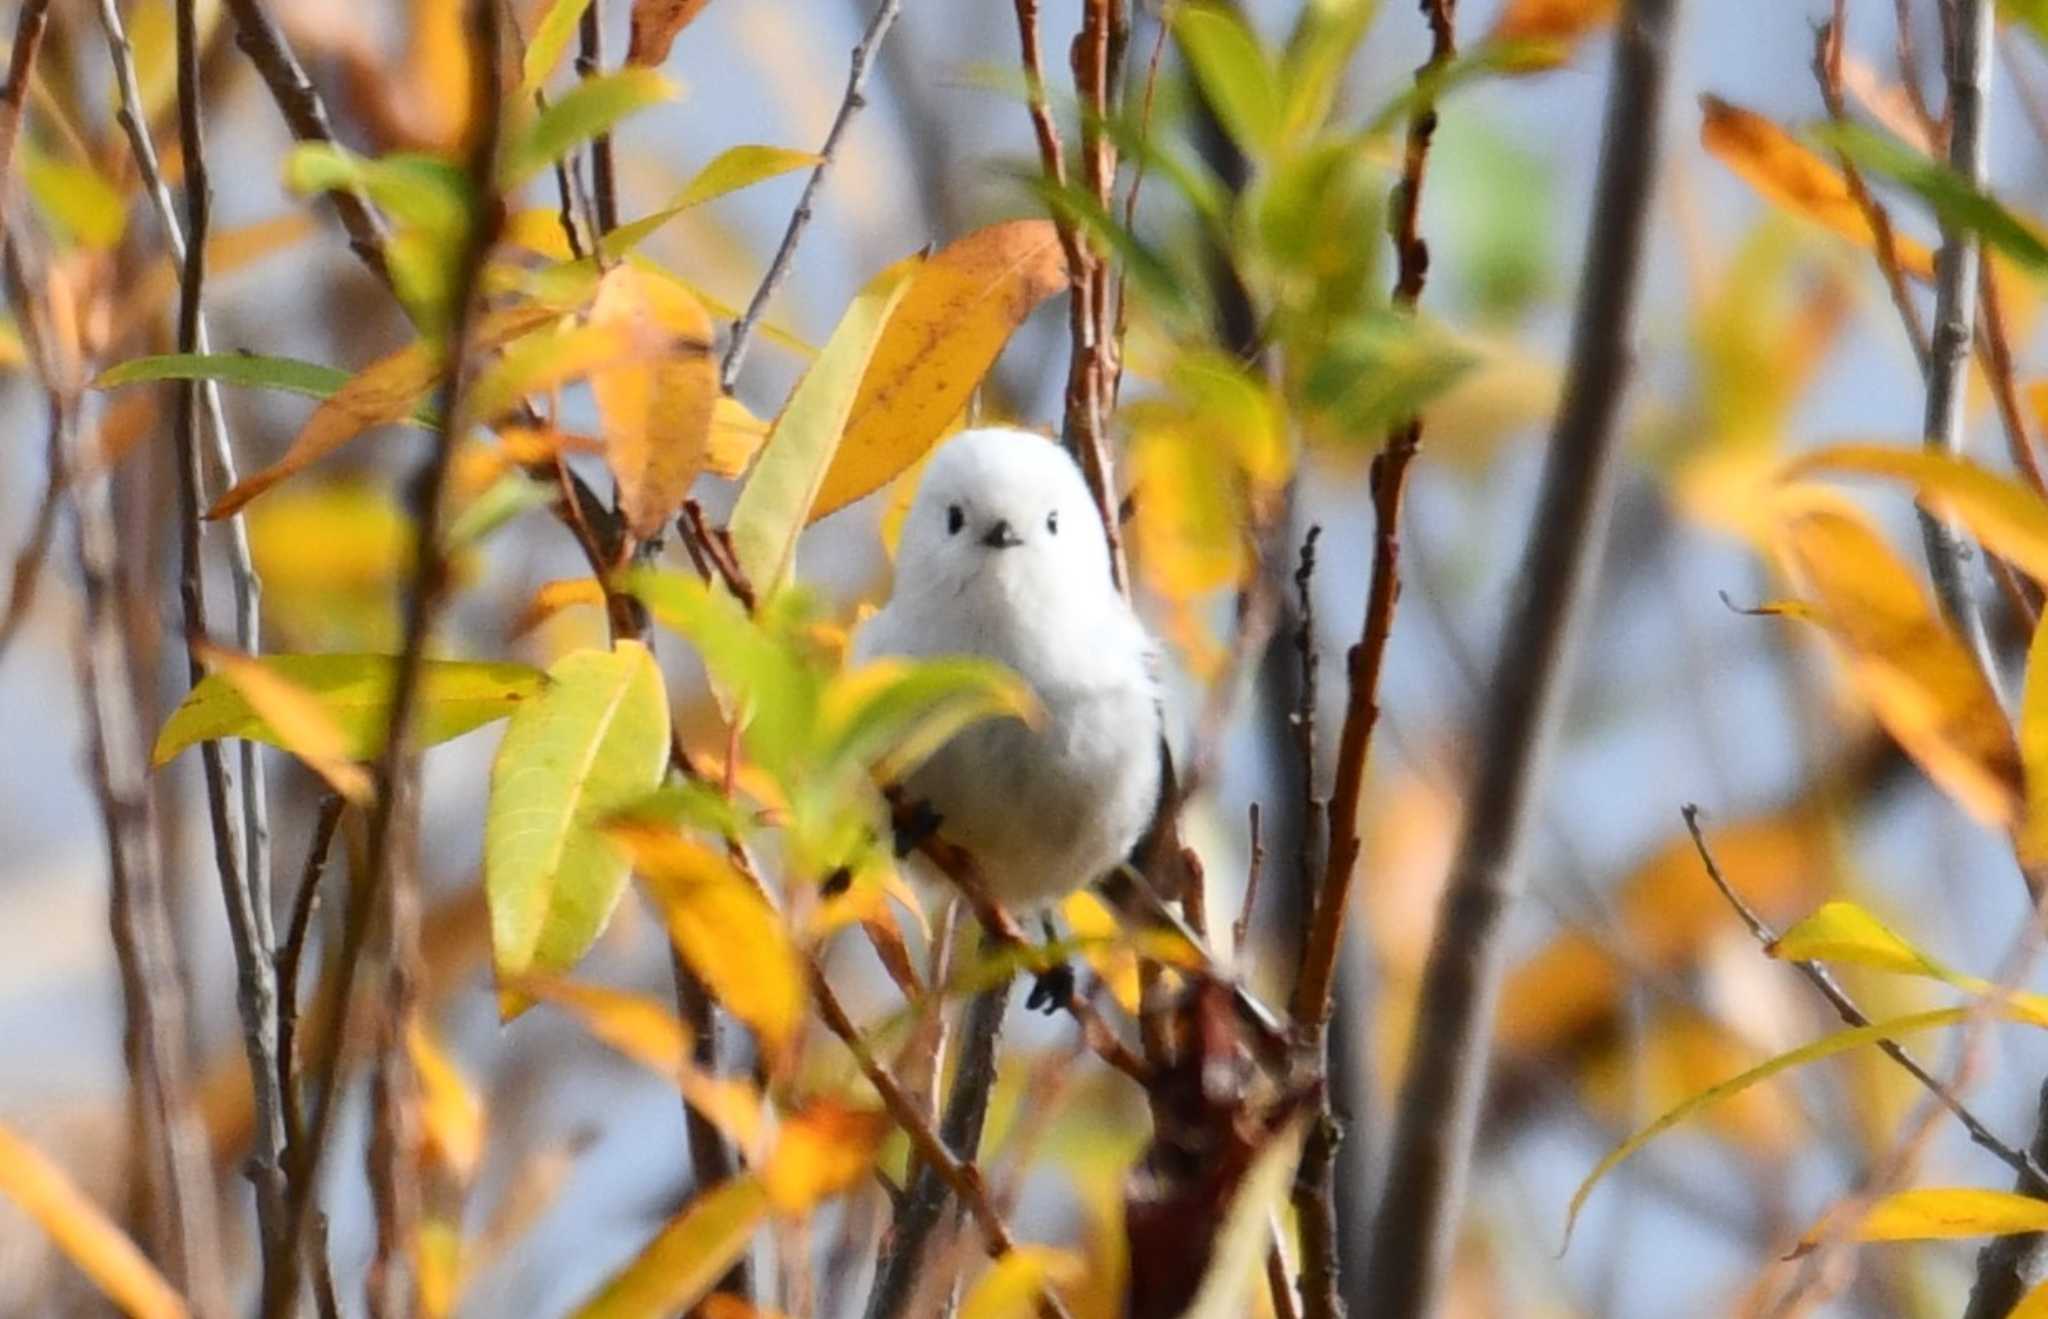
913,825
1051,991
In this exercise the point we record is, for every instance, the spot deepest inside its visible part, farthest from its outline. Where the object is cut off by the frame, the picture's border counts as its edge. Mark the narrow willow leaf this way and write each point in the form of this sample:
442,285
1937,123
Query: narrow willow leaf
587,110
776,501
1826,1047
301,722
891,713
550,38
960,308
451,1112
1844,932
88,1238
687,1257
250,370
1236,77
1013,1284
455,696
1937,1213
657,409
596,739
1922,683
2009,517
1951,196
546,361
1791,175
740,167
724,929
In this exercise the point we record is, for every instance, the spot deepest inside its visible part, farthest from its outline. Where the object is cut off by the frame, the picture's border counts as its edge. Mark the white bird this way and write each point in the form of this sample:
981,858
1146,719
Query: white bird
1003,556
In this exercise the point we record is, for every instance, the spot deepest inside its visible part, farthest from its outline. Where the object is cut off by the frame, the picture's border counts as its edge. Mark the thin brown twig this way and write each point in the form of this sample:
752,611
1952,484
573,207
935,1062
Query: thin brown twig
245,892
28,42
291,955
34,554
1416,1228
1240,929
800,219
604,177
2024,1166
1994,354
394,819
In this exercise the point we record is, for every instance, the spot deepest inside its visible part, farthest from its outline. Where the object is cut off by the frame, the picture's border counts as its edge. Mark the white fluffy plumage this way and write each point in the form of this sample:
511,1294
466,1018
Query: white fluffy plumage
1003,556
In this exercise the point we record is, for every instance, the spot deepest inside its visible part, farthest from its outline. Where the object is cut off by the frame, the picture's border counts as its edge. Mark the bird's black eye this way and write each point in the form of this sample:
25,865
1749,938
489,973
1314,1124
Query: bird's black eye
1052,523
956,518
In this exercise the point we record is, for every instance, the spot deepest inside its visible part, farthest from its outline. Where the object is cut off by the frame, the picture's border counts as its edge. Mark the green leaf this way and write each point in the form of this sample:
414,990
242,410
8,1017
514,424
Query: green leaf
774,695
1381,367
776,501
740,167
550,39
890,714
503,500
1317,55
596,740
1951,196
587,110
687,1257
1172,294
455,696
1825,1047
433,209
1234,73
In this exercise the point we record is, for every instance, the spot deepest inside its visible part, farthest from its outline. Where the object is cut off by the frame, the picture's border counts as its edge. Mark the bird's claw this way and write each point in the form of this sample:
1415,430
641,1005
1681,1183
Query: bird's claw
1052,990
913,825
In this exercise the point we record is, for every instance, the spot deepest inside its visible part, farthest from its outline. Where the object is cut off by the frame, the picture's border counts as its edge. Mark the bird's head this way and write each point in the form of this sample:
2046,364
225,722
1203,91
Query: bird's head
1002,506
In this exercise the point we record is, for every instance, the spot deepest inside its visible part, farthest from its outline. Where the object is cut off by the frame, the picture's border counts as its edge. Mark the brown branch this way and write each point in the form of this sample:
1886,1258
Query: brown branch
800,219
291,954
21,59
394,819
1416,1228
1364,663
1994,354
34,554
2005,1263
1255,868
306,115
604,177
2028,1168
244,892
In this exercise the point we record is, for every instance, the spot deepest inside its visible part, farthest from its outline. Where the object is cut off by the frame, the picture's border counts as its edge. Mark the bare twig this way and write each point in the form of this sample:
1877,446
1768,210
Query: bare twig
1416,1228
33,556
291,955
241,845
1364,663
2027,1167
21,60
1957,270
2003,1265
800,219
1240,928
306,115
394,820
604,178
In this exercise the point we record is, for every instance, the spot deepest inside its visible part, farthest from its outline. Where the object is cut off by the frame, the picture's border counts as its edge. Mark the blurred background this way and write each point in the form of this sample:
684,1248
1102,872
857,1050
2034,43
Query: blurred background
1762,334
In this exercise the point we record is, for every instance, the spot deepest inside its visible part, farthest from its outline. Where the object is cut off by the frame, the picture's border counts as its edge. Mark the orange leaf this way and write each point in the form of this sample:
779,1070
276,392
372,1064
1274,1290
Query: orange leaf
303,725
451,1114
1552,27
686,1258
960,309
1920,681
657,408
819,1153
553,597
85,1235
1790,175
655,25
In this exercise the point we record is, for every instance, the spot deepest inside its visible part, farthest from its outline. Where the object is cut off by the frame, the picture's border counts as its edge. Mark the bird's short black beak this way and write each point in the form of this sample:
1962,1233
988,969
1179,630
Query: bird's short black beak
1002,536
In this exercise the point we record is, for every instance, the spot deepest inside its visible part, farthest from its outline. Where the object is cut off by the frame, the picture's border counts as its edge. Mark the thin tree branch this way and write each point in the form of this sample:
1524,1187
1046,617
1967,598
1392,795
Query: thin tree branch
33,557
394,819
241,845
2005,1263
604,178
1314,1190
291,955
800,219
306,115
1416,1228
1957,270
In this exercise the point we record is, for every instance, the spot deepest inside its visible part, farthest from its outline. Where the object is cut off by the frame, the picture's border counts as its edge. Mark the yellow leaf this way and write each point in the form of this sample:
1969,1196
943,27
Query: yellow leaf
2031,839
957,313
1090,919
1921,682
86,1235
440,1267
778,498
553,597
436,79
657,411
647,1032
1013,1284
2034,1305
1939,1213
739,167
302,725
1845,932
686,1258
1825,1047
451,1113
724,929
736,436
2007,516
819,1153
541,362
1788,174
